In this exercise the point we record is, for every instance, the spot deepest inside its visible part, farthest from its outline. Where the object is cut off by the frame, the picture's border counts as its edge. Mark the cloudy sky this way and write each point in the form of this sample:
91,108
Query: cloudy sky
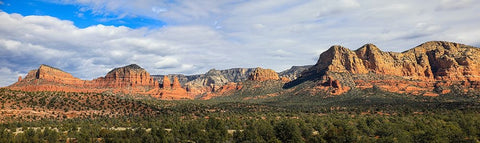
90,37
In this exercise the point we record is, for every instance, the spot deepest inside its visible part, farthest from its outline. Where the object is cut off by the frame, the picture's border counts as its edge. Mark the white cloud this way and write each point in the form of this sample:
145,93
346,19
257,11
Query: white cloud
8,76
27,41
205,34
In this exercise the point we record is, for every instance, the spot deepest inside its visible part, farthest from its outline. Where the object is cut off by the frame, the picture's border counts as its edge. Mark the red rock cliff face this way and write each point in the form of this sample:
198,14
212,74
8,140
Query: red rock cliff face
47,78
260,74
171,91
176,83
166,82
428,64
128,76
129,79
49,74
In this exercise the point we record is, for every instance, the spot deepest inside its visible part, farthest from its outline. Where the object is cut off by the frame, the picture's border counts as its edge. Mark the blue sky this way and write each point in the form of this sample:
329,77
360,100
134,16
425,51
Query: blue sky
88,38
81,16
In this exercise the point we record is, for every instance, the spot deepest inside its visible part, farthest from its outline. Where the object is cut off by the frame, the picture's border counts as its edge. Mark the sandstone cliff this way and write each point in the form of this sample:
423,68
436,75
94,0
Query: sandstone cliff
176,83
171,91
166,82
260,74
47,78
127,76
131,79
418,71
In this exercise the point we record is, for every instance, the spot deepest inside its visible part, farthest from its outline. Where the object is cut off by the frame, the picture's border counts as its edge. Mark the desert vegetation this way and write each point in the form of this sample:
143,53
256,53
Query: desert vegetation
359,116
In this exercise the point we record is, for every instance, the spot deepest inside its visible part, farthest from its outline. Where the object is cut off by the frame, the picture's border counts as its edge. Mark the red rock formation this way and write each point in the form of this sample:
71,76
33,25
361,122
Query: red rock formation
42,80
19,78
171,94
263,74
428,63
333,86
170,91
128,76
46,78
166,82
223,90
130,79
176,83
50,74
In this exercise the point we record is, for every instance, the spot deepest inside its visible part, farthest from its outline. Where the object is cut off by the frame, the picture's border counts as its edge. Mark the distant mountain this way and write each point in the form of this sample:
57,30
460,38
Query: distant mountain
222,77
182,78
212,77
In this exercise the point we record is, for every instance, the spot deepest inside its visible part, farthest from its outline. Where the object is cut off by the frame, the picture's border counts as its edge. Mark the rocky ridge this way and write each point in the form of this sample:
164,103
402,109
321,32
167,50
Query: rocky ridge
219,78
256,75
430,69
131,79
416,71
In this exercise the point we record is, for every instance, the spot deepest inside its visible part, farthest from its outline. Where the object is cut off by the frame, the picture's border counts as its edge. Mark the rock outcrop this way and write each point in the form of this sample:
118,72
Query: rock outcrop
51,74
333,86
260,74
427,65
127,76
183,79
171,91
47,78
166,82
176,83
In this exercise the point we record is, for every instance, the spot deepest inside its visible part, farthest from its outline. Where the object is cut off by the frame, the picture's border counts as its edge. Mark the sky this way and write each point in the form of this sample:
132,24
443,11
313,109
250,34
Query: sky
88,38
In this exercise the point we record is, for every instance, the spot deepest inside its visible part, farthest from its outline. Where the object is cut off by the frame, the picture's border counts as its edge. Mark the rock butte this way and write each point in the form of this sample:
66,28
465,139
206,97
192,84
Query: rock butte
263,74
428,69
